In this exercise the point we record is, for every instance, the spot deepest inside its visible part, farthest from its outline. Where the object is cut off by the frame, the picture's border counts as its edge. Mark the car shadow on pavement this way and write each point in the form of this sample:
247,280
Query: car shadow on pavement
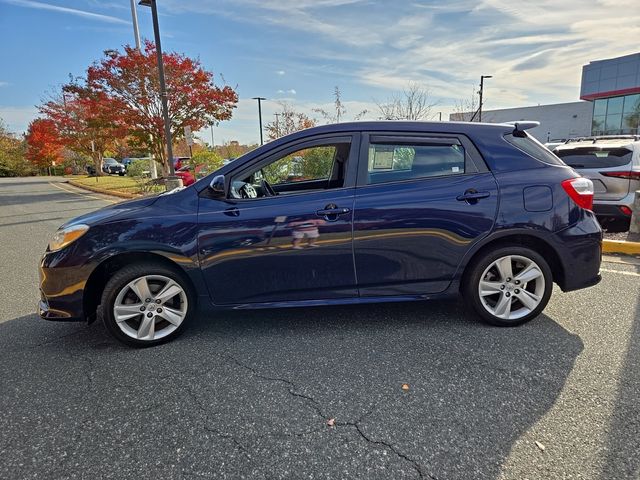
623,442
305,392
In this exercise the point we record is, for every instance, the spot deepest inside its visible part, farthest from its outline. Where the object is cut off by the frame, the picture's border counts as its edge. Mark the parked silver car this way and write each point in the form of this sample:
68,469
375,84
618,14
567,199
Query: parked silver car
612,163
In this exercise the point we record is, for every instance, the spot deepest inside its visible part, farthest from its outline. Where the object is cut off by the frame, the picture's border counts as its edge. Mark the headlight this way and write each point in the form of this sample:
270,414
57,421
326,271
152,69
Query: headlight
66,236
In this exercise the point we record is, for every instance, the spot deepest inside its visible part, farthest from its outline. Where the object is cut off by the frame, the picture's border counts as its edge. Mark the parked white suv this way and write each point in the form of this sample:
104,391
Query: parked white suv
613,165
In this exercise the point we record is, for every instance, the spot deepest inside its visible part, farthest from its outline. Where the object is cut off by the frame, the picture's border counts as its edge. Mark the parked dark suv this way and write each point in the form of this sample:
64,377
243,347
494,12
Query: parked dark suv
349,213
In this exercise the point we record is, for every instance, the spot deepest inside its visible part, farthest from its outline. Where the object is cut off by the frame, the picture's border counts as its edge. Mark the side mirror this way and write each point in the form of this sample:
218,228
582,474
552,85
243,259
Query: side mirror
217,186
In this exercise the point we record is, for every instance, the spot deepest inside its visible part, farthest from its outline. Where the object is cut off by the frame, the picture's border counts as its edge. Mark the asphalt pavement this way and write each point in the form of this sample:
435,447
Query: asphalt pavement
253,394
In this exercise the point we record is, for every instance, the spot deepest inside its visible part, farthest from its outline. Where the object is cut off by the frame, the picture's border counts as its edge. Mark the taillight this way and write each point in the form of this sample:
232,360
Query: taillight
580,190
628,174
626,210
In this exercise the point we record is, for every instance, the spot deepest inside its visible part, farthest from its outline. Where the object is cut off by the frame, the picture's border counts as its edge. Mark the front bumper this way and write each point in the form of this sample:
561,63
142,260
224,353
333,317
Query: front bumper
62,292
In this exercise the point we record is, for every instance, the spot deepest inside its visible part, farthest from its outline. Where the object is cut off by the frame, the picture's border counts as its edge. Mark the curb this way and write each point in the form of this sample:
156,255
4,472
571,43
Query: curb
621,246
103,191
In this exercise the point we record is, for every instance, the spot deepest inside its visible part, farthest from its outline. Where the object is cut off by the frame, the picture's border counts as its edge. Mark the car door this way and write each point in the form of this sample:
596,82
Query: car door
421,202
292,244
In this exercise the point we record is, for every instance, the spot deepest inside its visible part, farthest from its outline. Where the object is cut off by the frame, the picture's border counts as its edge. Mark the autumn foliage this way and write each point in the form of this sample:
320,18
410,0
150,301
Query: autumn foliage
44,147
288,121
130,81
119,103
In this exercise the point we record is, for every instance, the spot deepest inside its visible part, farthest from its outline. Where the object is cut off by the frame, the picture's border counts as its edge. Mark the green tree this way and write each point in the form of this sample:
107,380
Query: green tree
12,154
205,162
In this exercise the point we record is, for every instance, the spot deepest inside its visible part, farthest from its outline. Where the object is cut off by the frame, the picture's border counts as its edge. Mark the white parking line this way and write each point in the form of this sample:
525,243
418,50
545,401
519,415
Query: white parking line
82,194
621,272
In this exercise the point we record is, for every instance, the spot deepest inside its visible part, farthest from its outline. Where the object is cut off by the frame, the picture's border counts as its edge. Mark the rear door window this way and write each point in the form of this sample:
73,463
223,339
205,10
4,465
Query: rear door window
533,148
595,157
392,162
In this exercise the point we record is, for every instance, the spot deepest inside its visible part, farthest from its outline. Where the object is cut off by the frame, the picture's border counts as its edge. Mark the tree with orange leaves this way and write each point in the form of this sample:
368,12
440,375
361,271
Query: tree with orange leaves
130,80
44,145
288,121
85,120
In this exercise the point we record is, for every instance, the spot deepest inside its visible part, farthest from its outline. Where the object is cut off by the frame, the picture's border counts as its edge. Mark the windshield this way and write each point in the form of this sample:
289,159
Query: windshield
595,157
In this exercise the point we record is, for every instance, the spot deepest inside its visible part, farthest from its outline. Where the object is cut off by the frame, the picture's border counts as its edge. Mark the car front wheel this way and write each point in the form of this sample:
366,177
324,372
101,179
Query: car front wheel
508,286
146,304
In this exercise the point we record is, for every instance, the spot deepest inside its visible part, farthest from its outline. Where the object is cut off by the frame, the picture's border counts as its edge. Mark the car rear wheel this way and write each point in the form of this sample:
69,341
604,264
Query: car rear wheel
508,286
146,304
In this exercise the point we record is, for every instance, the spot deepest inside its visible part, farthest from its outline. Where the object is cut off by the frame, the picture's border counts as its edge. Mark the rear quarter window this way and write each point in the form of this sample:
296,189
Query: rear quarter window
533,148
595,157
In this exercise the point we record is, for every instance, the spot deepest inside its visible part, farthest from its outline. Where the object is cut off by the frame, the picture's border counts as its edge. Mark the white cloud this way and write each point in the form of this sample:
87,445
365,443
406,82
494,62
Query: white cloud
534,51
4,84
70,11
18,118
280,72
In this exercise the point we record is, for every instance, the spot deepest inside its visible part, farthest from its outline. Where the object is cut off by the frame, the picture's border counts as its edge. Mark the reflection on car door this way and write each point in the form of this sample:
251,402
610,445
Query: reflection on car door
414,223
295,246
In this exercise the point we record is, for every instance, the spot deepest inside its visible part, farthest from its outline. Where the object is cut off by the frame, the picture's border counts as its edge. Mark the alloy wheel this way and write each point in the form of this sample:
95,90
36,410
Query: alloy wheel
511,287
150,307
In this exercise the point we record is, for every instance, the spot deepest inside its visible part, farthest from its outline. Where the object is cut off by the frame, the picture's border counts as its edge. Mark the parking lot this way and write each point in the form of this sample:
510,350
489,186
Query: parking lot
314,392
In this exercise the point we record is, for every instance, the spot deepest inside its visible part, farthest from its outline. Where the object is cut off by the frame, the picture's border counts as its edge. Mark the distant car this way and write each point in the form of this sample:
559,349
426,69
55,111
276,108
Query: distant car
389,211
184,173
612,163
112,166
188,177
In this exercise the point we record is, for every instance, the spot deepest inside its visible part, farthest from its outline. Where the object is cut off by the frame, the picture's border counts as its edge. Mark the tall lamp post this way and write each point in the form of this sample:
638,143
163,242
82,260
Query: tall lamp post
482,77
172,181
260,99
134,18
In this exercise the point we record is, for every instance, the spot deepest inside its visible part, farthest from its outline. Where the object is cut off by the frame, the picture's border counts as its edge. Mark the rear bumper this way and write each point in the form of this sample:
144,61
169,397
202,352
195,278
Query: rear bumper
579,249
610,211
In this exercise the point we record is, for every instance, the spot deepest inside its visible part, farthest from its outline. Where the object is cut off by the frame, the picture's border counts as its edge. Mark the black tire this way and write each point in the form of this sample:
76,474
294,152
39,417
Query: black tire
121,279
473,274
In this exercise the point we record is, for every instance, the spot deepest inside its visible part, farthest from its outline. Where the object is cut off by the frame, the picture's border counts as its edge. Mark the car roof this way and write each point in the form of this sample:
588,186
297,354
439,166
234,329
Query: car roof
400,126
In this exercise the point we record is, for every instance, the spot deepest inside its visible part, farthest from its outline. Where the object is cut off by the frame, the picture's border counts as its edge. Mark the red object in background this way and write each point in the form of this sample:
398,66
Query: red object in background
188,178
68,170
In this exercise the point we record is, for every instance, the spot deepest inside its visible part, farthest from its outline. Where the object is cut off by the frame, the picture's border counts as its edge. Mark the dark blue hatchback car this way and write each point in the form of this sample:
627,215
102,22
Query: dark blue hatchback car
349,213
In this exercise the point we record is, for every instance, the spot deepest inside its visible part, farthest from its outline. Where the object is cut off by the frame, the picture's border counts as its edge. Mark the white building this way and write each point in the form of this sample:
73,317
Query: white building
610,90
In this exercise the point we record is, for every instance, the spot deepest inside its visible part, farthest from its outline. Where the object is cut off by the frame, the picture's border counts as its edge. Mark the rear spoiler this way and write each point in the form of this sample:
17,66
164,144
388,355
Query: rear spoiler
521,126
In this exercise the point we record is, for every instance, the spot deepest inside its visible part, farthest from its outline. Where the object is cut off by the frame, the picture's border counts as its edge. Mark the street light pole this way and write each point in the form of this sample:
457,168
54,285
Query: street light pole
260,99
482,77
134,17
172,181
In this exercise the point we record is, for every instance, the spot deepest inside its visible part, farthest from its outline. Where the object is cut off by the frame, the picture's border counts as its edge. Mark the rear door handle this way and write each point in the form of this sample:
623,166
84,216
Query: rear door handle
472,196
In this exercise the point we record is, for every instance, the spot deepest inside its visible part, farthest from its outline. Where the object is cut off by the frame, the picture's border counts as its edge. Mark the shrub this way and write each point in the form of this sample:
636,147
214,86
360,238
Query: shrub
203,163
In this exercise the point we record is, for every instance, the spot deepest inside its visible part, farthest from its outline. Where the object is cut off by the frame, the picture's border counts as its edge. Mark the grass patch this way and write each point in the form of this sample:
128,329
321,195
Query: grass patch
114,183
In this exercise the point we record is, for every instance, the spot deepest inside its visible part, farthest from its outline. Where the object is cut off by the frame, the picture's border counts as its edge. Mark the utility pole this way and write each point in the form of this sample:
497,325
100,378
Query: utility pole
136,31
213,145
277,124
482,77
260,99
172,182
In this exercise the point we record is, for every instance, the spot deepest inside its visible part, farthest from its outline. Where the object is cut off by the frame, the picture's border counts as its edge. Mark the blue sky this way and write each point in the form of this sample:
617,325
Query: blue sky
297,51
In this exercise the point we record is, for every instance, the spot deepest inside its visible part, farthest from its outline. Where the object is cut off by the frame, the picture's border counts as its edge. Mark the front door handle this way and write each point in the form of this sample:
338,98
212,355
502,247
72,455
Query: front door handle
472,196
332,211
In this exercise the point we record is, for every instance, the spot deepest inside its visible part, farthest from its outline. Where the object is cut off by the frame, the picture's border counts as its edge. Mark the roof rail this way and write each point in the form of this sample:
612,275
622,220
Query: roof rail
595,138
